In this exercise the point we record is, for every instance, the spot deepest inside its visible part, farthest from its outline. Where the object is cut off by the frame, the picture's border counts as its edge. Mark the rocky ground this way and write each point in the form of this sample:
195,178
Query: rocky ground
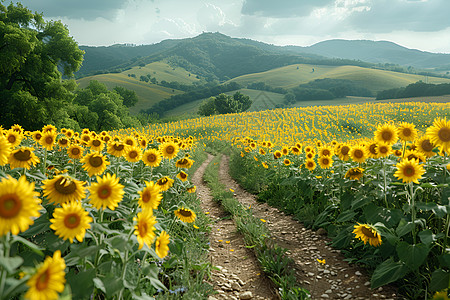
238,275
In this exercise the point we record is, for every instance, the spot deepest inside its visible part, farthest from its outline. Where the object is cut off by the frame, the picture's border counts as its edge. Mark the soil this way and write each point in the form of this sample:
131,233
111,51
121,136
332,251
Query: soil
335,279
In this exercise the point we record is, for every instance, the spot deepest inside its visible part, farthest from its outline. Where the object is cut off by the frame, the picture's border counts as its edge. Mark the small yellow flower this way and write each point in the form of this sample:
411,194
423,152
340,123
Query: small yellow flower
321,261
196,227
262,220
227,242
231,190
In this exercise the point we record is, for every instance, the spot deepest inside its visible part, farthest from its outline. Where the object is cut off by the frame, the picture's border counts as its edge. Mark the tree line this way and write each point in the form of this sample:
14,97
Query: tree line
418,89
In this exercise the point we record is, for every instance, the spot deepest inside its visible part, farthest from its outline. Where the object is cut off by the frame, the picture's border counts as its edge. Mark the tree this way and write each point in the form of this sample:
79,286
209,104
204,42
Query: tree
129,97
207,108
32,53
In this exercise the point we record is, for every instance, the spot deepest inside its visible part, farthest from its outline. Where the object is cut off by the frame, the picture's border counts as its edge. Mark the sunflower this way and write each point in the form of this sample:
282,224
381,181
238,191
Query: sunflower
354,173
265,165
164,183
411,154
425,146
309,149
150,196
325,162
145,227
310,164
325,151
5,151
17,128
106,138
23,158
185,214
409,171
162,244
106,192
386,133
133,154
94,163
69,133
14,138
85,138
407,131
439,133
75,151
49,128
130,141
19,205
63,188
182,176
371,148
49,279
277,154
36,135
71,221
63,142
48,140
343,151
96,144
286,162
367,233
262,151
184,163
285,150
310,155
117,148
169,150
383,150
143,142
192,190
358,154
398,153
152,158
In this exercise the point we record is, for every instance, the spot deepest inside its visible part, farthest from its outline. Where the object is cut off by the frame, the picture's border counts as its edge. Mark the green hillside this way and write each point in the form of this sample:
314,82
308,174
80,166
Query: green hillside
372,79
147,93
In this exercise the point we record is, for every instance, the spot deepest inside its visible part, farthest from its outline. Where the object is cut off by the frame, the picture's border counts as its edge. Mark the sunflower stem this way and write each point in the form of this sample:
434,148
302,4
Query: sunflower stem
384,175
447,227
413,211
125,260
45,160
140,270
4,273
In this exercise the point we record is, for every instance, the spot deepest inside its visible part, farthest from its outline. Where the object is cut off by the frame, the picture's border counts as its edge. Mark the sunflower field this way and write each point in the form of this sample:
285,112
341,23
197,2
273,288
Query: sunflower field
114,215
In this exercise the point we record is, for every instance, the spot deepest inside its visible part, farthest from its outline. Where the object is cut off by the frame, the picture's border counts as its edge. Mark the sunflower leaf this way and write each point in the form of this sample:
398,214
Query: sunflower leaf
387,272
440,280
412,255
11,263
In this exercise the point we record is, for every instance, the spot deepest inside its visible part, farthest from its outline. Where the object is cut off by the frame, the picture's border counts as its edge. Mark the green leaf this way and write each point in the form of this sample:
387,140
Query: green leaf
10,264
412,255
387,272
81,284
360,202
404,228
444,260
144,296
440,280
346,216
33,247
39,226
152,274
110,284
427,237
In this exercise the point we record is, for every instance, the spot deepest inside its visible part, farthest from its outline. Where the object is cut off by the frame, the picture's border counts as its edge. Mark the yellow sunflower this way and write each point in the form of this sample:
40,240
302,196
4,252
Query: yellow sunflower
23,157
286,162
169,150
277,154
325,151
412,154
49,279
133,154
162,244
5,151
184,163
106,192
310,155
310,164
407,131
36,135
182,176
386,133
164,183
194,188
143,142
19,205
63,188
439,133
285,150
48,140
325,162
409,171
14,138
145,227
262,151
425,146
69,133
64,142
354,173
71,221
383,150
358,154
185,214
152,158
265,165
150,196
94,163
367,233
75,151
96,144
17,128
85,138
49,128
343,151
371,148
116,148
130,141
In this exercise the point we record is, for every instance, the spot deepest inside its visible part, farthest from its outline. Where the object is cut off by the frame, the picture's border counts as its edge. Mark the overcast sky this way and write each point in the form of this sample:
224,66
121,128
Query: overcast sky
418,24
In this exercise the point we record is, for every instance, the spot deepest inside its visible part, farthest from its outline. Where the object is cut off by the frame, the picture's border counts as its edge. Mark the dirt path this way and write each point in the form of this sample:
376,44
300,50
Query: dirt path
238,275
334,280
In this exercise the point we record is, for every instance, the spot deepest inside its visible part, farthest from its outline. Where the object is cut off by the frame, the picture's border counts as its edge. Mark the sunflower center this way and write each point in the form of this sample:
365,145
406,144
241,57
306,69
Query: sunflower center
326,152
49,140
162,181
118,147
185,213
38,136
96,143
409,171
104,192
406,132
444,134
72,220
386,135
310,164
373,149
23,155
183,175
383,149
11,139
10,206
170,149
143,229
106,138
325,161
146,197
63,141
358,153
427,145
65,186
368,232
129,142
345,150
95,161
86,138
75,151
151,157
42,281
133,154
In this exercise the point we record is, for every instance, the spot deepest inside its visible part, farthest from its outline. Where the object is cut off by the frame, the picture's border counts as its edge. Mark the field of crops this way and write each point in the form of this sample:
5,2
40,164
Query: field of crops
114,215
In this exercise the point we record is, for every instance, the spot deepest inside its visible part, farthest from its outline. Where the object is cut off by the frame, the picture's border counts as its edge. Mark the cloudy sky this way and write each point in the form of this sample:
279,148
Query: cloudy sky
418,24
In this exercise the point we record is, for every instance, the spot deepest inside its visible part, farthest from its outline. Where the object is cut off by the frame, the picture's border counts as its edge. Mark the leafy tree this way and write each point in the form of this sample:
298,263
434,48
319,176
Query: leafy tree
207,108
32,51
224,104
243,102
129,97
